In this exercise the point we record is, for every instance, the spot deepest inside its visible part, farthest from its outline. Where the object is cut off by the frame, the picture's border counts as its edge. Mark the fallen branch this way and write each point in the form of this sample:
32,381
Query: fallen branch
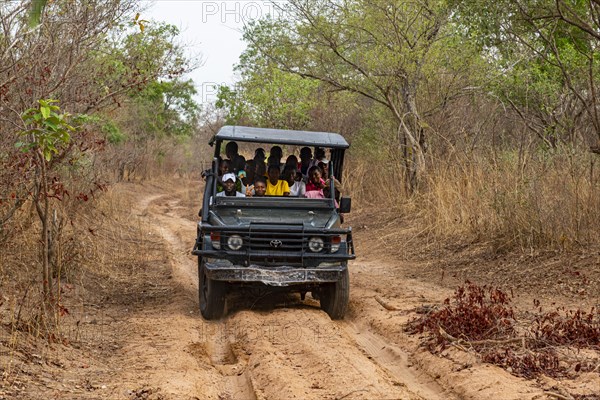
453,339
352,392
386,305
559,396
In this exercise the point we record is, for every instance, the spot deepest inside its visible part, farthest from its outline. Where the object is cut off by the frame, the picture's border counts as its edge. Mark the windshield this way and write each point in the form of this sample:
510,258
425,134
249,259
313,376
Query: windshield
260,171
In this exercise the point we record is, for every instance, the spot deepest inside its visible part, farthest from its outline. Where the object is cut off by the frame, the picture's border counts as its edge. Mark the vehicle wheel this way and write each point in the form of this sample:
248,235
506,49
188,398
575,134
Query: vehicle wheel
212,294
335,296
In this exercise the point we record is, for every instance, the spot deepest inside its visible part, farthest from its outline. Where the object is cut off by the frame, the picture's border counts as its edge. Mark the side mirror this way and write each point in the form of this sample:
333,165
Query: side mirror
345,205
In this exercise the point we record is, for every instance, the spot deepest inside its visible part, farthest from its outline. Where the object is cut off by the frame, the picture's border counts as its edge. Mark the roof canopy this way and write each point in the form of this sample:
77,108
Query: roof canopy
282,136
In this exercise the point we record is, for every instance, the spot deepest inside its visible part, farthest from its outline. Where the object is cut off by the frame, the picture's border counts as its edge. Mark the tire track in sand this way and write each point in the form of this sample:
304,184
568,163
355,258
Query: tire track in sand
235,382
395,362
359,364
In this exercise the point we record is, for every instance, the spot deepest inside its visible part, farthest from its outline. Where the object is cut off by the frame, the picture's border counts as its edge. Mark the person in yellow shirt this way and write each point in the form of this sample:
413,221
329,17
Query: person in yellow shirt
276,186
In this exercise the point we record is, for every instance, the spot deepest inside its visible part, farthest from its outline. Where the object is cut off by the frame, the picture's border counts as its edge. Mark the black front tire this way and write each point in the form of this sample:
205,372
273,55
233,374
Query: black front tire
335,296
212,294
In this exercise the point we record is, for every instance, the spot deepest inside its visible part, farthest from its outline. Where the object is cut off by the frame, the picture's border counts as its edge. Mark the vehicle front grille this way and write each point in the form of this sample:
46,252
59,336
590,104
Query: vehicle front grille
276,245
271,247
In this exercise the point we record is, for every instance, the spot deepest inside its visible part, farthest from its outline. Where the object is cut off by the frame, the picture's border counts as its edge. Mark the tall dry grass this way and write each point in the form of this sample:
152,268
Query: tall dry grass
547,200
103,256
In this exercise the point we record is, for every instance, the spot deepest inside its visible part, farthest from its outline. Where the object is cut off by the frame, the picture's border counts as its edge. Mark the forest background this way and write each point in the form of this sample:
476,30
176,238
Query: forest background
474,122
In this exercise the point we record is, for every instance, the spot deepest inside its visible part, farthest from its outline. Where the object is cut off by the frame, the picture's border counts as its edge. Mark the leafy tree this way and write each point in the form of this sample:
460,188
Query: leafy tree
546,55
48,132
378,49
168,108
93,57
269,97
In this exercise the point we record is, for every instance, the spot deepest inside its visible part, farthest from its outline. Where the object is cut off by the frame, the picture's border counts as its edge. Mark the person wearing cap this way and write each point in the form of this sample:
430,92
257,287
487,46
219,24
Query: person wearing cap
319,157
229,189
225,167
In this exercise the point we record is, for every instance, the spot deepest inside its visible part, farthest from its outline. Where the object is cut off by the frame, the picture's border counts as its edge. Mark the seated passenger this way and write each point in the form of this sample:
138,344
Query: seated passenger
337,186
305,160
294,180
275,154
319,155
250,172
239,165
260,186
229,182
231,150
259,155
276,186
292,160
224,166
224,169
315,182
273,160
261,170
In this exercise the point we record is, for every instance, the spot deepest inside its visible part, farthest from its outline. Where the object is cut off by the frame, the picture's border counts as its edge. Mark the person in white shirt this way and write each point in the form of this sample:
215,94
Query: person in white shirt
229,180
294,180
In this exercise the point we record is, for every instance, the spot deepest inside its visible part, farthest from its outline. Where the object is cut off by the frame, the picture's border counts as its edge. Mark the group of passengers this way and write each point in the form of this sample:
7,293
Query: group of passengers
307,177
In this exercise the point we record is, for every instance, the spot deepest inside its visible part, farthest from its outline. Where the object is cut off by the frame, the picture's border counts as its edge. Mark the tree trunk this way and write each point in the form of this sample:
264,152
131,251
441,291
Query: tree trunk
42,207
411,127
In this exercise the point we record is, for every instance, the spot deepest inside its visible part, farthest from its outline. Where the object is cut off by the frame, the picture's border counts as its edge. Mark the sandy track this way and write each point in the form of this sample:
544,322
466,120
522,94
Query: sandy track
279,347
269,346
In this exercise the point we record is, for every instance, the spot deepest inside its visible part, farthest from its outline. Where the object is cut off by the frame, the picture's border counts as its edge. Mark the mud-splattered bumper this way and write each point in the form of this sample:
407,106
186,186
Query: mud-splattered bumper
273,276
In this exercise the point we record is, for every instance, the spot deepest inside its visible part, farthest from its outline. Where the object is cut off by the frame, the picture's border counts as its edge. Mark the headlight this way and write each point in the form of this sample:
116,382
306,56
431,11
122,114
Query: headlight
316,244
335,243
215,238
235,242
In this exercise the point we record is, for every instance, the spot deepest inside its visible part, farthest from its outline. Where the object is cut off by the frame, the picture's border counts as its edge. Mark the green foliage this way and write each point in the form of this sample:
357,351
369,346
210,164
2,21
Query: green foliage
48,129
35,12
546,62
269,97
131,61
232,102
112,132
168,108
142,62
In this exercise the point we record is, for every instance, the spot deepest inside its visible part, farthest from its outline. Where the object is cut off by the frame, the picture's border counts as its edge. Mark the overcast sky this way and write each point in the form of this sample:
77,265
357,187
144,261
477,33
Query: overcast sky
212,32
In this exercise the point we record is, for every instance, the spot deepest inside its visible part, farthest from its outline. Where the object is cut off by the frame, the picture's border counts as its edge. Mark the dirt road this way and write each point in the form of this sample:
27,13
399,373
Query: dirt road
132,328
279,347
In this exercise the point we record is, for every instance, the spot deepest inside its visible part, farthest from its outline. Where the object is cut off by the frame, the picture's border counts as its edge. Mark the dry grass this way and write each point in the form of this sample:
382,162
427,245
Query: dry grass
103,258
549,201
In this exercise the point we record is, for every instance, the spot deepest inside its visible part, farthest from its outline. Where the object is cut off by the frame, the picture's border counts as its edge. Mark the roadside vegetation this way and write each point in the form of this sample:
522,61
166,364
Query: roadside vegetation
90,95
472,123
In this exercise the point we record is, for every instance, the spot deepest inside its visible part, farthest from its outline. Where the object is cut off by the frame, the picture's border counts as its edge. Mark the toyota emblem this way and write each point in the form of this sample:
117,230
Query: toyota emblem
275,243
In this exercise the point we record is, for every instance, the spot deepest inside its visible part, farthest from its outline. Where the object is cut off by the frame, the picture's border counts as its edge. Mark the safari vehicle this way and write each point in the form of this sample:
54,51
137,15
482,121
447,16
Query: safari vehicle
285,243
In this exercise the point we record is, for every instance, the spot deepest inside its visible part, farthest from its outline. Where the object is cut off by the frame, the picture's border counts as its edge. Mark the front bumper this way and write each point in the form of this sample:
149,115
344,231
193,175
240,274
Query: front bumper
273,276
